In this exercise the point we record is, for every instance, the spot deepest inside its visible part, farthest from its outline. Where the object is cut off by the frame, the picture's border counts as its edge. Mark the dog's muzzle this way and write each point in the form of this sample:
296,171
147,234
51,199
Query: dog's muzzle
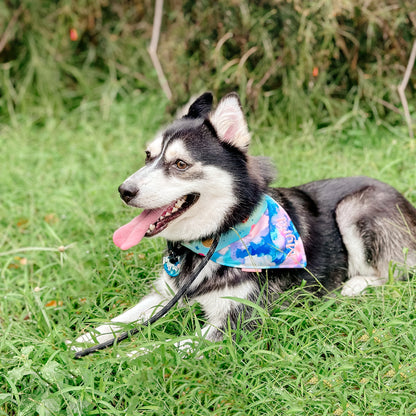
128,191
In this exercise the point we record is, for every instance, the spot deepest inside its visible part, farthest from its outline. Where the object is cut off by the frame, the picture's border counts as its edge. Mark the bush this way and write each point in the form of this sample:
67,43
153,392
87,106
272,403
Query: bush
61,54
313,60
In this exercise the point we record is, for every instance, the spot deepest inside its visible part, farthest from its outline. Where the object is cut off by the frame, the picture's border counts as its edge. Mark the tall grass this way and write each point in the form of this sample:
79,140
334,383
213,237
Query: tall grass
58,182
47,70
315,60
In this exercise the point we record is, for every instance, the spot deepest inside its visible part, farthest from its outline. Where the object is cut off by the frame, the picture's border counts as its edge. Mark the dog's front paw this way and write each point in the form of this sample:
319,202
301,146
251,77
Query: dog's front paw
355,286
186,346
72,346
101,334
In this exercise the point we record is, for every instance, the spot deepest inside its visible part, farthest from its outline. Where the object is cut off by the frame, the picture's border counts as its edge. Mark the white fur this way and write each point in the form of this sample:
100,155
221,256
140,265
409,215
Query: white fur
229,122
357,284
214,186
215,201
147,307
357,264
155,146
177,150
185,346
217,306
156,189
361,273
141,312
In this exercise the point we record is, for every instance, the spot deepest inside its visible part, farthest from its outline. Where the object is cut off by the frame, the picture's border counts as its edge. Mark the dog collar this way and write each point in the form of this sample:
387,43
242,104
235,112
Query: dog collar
268,239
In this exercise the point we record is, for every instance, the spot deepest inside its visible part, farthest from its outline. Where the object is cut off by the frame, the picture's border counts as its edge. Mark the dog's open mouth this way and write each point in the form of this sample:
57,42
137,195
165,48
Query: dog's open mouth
151,222
171,212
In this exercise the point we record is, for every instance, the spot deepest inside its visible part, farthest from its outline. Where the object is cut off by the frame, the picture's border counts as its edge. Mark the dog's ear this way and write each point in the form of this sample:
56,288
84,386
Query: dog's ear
201,107
229,122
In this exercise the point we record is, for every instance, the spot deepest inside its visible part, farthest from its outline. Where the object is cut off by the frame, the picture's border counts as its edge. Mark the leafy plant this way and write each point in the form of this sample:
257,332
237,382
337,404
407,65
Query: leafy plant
308,60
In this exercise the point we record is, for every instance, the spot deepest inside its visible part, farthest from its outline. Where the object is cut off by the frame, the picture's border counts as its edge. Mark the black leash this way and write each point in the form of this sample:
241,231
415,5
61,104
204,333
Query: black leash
158,315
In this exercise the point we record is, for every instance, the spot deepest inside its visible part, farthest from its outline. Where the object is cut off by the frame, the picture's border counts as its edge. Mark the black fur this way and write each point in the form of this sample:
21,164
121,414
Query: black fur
201,106
313,209
202,142
351,228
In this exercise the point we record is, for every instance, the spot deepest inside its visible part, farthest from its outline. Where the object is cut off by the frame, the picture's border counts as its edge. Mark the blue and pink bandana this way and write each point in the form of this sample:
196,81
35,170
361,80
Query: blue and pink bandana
268,239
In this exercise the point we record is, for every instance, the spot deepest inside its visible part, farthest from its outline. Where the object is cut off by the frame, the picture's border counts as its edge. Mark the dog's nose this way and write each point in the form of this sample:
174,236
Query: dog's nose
128,191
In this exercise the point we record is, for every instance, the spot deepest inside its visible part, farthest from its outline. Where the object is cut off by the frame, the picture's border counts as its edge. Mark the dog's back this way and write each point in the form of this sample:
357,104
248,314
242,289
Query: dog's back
352,228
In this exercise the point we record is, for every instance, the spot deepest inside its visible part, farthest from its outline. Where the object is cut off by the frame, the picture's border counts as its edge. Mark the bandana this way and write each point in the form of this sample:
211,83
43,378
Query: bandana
268,239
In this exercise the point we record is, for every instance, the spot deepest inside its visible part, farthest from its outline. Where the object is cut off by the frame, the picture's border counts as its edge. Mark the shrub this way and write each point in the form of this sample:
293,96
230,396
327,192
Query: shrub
313,60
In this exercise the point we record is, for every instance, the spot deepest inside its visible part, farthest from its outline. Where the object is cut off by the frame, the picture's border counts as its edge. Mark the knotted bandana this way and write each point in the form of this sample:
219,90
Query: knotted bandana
268,239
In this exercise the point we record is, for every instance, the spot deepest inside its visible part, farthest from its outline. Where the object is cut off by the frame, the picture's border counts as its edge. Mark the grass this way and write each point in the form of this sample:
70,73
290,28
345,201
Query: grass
58,187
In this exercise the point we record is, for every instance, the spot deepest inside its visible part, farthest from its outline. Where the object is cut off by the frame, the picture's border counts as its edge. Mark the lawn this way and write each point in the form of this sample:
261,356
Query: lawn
61,273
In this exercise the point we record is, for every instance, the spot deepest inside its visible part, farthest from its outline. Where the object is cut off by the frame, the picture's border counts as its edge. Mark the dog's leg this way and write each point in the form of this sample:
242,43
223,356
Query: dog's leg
375,225
223,308
362,273
141,312
357,284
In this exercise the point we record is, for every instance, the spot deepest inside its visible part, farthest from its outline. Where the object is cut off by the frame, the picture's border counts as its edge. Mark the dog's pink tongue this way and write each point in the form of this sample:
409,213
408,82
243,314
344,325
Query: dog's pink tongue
132,233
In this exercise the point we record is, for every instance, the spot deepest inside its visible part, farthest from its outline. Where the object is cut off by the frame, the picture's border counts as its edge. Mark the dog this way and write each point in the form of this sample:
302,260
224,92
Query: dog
199,182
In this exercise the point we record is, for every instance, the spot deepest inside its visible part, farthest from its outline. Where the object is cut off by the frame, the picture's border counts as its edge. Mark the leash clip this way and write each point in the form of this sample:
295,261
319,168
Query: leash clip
172,265
172,261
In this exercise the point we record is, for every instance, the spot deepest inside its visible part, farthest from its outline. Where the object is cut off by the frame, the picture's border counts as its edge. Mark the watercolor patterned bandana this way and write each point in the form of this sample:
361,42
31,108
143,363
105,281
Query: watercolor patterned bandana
267,239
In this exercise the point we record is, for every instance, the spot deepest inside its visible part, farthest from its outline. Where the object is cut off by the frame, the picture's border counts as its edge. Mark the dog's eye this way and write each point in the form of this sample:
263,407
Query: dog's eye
180,164
147,155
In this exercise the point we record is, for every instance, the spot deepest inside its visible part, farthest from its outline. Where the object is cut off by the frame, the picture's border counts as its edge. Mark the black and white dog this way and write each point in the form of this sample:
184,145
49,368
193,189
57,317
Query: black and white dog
199,182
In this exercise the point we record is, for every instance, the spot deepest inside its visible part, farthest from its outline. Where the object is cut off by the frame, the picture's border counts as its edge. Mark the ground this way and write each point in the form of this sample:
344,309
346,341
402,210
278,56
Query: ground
58,187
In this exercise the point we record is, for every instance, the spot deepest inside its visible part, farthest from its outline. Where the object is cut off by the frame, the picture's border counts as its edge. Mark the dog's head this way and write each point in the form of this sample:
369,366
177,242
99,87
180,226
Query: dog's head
198,179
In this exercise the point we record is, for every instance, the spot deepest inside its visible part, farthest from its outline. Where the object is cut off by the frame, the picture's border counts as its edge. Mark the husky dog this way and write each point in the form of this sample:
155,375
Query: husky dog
199,182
